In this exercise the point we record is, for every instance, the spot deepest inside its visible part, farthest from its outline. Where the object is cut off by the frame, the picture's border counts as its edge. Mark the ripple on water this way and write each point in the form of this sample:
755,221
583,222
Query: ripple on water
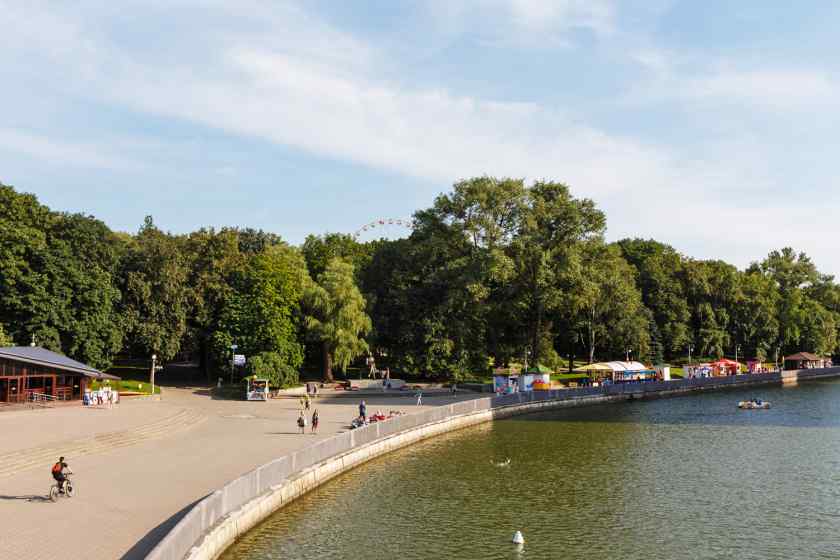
688,477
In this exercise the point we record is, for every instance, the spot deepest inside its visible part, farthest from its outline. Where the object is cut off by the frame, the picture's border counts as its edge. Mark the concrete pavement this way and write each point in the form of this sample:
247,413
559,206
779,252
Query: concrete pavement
129,495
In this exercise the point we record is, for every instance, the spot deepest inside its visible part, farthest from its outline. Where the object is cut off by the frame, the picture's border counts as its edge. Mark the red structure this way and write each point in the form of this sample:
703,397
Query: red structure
29,371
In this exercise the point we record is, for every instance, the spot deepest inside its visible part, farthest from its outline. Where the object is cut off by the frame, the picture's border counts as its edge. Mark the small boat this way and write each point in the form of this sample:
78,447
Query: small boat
754,405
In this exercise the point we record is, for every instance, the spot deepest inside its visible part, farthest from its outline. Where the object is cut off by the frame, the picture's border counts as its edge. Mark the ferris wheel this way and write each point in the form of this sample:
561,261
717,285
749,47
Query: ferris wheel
385,225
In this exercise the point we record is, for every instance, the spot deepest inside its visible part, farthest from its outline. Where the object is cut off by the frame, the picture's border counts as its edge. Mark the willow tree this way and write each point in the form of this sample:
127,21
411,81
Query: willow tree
336,316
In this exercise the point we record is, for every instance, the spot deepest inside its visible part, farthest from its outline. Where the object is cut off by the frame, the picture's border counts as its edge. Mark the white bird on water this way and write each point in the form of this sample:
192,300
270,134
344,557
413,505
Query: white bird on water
505,463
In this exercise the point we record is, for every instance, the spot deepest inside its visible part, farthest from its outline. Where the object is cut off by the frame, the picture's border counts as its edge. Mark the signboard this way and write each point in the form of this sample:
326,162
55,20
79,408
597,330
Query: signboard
239,359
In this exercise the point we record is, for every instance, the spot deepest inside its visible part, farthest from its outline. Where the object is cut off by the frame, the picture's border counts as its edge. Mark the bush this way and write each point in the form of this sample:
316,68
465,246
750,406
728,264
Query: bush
272,366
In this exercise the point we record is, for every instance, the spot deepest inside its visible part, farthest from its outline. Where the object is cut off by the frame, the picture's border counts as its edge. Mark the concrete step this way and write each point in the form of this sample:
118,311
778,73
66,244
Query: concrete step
46,455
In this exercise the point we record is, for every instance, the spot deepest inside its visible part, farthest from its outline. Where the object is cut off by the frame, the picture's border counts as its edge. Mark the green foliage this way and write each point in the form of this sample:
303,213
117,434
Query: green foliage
273,367
5,340
155,292
58,280
262,314
493,270
336,315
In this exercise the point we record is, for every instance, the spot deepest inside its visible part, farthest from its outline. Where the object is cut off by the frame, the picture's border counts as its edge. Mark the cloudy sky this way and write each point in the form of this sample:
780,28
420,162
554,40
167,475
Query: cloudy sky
708,125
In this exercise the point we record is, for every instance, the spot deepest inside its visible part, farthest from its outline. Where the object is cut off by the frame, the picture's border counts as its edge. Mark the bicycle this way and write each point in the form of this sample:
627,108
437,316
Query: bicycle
68,490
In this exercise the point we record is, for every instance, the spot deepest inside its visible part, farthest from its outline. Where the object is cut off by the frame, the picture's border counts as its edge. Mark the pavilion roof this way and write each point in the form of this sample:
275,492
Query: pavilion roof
803,357
42,357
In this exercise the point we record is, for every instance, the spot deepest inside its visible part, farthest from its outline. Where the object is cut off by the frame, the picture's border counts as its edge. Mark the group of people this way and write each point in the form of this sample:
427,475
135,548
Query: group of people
302,422
105,395
363,419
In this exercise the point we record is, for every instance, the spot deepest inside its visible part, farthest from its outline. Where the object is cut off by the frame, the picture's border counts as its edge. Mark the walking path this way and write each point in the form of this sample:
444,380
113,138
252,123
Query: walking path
141,465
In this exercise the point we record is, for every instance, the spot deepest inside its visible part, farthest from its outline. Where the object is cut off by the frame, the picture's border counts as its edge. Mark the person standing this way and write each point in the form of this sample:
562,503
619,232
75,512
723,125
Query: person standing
363,411
301,422
419,397
315,422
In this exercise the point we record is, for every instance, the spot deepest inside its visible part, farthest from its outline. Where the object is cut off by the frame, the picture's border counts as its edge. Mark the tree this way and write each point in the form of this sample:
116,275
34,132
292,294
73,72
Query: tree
792,273
58,279
552,226
214,259
336,316
659,268
320,250
755,314
263,312
603,301
273,367
156,292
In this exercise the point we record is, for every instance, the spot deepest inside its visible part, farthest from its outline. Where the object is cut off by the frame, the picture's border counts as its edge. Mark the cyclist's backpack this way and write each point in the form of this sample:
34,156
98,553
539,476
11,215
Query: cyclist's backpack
56,468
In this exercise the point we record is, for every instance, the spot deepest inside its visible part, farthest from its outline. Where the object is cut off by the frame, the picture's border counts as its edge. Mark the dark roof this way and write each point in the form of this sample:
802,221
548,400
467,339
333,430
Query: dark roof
804,357
43,357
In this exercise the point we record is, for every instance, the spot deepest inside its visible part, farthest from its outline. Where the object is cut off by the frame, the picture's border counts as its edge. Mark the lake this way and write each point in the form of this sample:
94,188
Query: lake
687,477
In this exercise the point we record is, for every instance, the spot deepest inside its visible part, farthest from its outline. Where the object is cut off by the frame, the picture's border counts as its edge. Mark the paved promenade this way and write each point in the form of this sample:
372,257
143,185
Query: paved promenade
141,464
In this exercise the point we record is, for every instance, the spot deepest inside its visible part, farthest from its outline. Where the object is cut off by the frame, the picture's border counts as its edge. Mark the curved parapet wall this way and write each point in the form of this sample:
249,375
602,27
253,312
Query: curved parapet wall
216,521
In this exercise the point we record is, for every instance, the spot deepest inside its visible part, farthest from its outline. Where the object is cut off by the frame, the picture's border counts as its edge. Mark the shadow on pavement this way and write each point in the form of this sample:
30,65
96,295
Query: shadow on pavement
30,498
145,545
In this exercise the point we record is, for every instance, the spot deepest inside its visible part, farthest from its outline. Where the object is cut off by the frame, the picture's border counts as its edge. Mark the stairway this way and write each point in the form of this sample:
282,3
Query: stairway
44,456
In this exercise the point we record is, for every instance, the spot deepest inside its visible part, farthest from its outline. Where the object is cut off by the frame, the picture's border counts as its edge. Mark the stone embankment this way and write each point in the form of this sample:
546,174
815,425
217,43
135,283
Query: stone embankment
216,521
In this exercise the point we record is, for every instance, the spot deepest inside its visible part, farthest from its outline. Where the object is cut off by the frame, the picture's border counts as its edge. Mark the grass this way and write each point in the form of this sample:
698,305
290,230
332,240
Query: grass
127,385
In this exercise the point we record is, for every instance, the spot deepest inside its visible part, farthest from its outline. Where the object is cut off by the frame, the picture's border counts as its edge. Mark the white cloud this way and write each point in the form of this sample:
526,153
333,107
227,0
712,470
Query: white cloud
285,76
50,151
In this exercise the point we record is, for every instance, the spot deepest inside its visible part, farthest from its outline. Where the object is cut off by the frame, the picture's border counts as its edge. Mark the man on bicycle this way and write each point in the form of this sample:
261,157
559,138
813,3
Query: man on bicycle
58,473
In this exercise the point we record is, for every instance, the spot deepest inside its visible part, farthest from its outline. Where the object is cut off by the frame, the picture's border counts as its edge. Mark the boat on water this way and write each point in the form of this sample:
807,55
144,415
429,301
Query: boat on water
754,404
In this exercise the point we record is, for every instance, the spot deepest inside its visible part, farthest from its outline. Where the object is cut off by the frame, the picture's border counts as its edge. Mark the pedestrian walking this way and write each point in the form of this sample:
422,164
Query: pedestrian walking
308,402
301,422
315,422
419,398
363,410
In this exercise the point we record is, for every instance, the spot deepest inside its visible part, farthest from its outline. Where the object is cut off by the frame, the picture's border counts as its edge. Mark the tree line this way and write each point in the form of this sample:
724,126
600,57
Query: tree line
494,271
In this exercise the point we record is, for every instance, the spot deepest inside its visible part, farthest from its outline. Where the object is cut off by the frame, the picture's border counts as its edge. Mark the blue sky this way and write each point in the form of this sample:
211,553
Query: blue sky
707,125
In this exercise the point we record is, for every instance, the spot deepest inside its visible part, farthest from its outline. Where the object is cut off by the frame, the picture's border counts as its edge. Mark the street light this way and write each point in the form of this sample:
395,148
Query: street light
737,347
155,368
233,348
527,355
690,348
627,352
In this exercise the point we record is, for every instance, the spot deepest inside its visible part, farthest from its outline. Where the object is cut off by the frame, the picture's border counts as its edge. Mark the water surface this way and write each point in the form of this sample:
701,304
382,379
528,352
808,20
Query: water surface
689,477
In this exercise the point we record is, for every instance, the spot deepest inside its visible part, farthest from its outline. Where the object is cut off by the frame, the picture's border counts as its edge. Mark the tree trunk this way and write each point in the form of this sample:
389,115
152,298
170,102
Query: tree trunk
328,375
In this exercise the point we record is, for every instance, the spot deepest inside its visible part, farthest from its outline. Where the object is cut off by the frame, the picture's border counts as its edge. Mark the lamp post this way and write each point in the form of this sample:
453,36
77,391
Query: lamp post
627,352
152,374
690,348
233,348
527,355
737,347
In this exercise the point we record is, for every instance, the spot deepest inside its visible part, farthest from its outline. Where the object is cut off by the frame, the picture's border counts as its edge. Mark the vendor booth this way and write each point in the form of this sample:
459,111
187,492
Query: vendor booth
618,372
724,366
534,379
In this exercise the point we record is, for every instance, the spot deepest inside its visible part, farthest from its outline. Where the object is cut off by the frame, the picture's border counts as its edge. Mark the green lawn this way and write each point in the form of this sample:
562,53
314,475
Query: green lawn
128,385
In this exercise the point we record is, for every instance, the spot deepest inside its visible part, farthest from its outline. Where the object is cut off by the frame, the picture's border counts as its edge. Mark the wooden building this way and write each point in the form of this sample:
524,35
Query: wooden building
806,360
27,372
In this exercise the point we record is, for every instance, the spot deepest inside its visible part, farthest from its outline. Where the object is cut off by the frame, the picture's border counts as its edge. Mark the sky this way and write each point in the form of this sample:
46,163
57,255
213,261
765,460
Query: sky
710,126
